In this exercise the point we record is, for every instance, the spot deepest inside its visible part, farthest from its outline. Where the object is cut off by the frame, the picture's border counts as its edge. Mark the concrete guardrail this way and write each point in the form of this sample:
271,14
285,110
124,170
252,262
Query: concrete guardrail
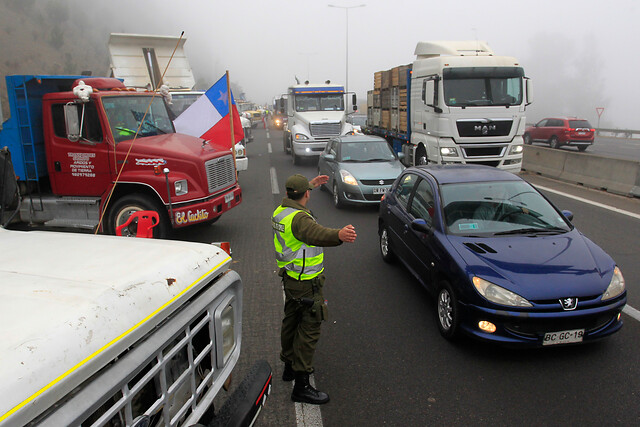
617,176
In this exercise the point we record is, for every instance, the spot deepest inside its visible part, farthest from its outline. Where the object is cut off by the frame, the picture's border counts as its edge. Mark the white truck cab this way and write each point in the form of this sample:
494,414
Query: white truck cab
315,114
105,330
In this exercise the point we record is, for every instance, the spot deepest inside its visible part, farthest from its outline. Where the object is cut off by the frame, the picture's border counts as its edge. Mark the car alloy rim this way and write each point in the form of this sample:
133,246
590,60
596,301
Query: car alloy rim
384,242
445,309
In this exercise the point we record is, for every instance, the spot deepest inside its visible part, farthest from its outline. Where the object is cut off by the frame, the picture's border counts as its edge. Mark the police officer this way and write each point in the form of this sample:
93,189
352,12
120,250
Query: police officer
298,241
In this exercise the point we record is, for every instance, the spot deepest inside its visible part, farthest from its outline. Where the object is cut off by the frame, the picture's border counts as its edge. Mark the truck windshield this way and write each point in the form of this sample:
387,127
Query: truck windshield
320,102
182,101
125,114
482,86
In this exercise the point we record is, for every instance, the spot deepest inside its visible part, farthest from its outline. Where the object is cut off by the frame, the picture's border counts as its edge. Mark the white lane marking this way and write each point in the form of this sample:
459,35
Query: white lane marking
274,181
268,136
269,148
306,415
631,312
591,202
627,309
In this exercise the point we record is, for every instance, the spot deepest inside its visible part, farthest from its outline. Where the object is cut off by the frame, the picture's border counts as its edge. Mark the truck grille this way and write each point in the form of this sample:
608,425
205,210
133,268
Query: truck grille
325,129
220,173
484,128
483,151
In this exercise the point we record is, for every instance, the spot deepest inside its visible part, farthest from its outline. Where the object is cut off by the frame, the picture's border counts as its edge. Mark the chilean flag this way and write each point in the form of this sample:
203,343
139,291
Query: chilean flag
208,117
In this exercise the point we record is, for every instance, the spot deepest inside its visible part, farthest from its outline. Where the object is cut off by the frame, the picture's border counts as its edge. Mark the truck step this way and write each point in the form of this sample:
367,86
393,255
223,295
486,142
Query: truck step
72,223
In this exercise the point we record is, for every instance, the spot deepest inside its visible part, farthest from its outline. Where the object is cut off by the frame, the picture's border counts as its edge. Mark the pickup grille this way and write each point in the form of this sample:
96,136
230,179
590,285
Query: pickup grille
483,128
325,129
221,173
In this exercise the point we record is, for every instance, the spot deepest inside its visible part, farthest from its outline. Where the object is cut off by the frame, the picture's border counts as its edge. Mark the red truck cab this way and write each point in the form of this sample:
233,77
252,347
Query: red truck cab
127,157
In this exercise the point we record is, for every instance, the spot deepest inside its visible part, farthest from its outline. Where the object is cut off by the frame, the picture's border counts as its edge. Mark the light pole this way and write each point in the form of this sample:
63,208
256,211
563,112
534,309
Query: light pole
346,82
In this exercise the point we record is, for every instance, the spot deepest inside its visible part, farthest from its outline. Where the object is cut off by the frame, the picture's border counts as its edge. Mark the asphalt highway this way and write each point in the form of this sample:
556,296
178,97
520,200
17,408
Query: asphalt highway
381,358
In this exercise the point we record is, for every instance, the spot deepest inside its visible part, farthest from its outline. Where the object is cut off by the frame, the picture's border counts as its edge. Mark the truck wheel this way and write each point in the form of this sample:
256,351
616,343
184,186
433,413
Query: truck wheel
285,143
125,206
296,159
421,156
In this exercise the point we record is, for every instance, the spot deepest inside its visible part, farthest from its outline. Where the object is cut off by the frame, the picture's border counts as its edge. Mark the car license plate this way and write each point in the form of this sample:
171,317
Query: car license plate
563,337
582,133
228,197
379,190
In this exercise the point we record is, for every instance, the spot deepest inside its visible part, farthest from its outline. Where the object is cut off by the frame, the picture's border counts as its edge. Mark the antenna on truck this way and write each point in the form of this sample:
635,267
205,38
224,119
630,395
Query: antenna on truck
126,157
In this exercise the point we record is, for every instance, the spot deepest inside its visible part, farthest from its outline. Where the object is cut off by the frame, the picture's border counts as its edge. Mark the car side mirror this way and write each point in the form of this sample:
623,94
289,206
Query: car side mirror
421,225
329,157
568,215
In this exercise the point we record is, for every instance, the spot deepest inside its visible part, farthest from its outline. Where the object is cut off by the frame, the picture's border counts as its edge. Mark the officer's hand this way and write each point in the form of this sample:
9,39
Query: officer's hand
348,234
319,180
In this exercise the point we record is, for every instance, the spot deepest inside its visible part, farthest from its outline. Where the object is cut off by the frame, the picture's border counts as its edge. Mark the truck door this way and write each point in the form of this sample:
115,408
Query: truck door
79,168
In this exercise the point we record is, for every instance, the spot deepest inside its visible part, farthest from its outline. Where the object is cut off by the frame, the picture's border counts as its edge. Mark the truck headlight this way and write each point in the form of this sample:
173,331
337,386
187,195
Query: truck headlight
448,152
301,137
498,294
228,332
616,286
516,149
347,178
181,187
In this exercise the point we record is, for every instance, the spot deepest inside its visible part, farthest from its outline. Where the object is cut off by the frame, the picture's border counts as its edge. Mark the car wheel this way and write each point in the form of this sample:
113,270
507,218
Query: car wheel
385,247
122,209
554,143
448,311
421,156
337,199
582,147
527,139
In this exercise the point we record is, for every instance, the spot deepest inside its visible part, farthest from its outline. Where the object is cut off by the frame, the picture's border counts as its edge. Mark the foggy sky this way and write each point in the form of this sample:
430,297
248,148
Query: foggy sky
579,54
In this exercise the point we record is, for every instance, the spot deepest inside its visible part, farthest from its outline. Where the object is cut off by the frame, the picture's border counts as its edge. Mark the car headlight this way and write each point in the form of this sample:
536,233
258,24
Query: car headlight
448,152
516,149
347,178
181,187
616,286
498,294
301,137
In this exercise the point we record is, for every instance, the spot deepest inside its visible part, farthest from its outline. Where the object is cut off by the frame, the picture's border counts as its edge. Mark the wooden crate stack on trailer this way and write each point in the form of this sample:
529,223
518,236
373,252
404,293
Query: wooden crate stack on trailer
387,102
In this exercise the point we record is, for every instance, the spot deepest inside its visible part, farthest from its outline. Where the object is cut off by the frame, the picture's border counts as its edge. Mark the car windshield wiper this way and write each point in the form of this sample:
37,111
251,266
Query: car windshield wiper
532,230
378,160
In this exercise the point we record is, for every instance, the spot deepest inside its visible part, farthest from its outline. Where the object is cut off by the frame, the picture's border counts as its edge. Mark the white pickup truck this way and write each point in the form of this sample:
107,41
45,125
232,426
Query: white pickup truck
113,331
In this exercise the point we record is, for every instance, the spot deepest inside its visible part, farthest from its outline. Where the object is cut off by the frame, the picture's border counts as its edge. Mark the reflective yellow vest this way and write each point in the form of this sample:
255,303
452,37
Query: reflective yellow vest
301,261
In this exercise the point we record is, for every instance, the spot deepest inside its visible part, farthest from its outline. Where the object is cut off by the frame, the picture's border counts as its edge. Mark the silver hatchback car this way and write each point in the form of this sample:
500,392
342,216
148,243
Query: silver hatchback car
360,168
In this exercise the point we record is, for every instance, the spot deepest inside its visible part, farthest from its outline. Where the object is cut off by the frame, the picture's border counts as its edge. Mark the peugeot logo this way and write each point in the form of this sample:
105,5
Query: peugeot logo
569,303
381,181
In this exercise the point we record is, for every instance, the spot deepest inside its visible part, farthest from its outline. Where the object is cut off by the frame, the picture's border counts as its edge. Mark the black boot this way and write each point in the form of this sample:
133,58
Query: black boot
303,392
288,374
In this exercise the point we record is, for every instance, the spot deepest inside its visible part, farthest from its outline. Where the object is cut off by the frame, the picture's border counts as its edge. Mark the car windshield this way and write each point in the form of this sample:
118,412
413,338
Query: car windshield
370,151
482,86
499,208
321,102
125,114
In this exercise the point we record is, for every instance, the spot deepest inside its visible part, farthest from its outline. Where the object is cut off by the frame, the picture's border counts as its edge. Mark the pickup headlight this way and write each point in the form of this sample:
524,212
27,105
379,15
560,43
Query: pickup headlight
516,149
498,294
228,332
347,178
448,152
616,286
301,137
181,187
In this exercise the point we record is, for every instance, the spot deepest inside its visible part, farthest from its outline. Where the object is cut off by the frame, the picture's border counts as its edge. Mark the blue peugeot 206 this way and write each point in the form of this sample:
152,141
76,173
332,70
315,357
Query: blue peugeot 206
503,263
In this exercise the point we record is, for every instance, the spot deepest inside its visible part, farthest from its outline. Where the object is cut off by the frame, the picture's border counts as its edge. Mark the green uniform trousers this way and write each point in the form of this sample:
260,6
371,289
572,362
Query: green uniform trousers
301,323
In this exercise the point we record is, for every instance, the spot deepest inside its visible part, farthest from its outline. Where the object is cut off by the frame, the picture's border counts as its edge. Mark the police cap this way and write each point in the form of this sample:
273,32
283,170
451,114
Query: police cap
297,184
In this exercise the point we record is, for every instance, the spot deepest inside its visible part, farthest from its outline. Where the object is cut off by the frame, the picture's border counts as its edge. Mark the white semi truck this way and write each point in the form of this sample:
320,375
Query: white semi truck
113,331
456,103
315,114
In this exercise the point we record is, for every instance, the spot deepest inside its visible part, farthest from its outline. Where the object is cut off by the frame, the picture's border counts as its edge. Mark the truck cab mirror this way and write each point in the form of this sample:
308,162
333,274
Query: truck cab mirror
71,122
354,102
529,89
430,94
281,105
